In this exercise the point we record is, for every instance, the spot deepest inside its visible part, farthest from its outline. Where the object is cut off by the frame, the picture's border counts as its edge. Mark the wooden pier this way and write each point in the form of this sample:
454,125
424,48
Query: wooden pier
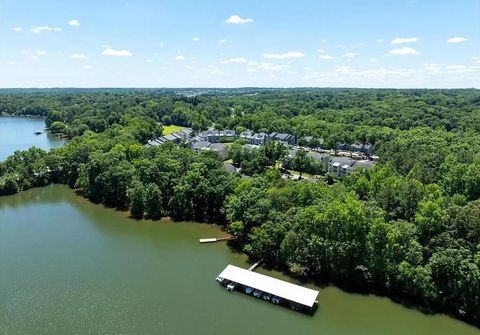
254,265
216,239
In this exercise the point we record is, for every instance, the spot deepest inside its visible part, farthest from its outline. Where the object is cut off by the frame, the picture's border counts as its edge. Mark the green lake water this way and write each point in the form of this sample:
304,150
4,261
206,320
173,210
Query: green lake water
68,266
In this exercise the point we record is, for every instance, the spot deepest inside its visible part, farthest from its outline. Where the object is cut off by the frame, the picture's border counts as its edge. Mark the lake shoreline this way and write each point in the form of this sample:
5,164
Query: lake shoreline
112,222
320,281
27,116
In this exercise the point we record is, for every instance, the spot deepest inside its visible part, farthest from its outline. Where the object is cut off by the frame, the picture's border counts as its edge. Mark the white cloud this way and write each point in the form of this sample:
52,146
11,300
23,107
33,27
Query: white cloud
17,29
452,69
343,69
461,69
78,56
39,52
264,66
344,75
270,67
195,39
403,51
326,57
223,40
456,67
290,54
343,72
350,55
238,60
432,67
41,29
88,67
211,70
235,19
476,59
34,54
384,73
116,53
401,40
162,44
373,60
380,40
73,23
457,40
180,58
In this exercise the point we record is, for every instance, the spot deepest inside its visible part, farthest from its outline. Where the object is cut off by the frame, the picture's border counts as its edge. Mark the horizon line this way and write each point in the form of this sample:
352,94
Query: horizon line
235,87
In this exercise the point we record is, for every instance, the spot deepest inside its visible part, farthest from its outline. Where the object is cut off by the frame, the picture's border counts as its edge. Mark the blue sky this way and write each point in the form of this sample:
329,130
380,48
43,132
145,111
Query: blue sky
235,43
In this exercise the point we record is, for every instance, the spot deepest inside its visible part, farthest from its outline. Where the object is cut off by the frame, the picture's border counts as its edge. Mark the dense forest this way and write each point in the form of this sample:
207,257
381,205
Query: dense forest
409,228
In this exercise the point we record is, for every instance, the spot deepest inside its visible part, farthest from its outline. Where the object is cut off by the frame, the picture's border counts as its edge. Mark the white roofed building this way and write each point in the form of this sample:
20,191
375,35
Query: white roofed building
292,295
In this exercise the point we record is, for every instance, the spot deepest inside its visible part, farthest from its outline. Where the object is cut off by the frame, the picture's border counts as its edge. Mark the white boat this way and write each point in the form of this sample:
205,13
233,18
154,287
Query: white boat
295,307
276,300
231,287
248,290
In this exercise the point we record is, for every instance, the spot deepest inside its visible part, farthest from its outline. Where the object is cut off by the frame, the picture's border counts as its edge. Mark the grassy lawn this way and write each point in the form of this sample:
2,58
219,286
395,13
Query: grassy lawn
167,130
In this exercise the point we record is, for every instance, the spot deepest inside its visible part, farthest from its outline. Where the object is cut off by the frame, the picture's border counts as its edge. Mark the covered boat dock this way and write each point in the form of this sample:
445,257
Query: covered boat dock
268,288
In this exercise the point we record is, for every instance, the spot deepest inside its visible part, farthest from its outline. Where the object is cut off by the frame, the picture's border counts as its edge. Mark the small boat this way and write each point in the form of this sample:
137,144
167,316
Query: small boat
38,132
266,297
276,300
257,294
219,280
248,290
231,287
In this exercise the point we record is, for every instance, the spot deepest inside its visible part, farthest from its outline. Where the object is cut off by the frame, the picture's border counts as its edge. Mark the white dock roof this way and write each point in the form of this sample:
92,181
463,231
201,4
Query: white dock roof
280,288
